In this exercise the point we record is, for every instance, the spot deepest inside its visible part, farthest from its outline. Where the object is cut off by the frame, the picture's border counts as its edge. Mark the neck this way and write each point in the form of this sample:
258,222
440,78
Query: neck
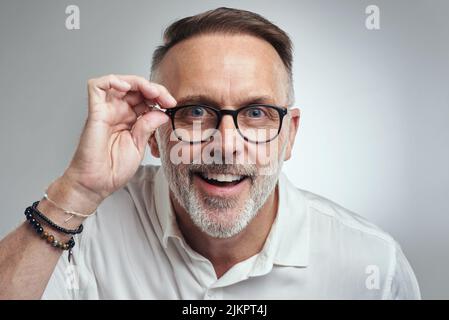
225,253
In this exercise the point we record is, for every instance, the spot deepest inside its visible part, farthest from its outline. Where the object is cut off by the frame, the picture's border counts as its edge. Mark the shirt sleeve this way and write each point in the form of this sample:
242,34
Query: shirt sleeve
73,280
404,285
61,280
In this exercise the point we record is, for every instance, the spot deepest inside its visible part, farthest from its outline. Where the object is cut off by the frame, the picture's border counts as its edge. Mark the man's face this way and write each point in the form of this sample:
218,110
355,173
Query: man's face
226,72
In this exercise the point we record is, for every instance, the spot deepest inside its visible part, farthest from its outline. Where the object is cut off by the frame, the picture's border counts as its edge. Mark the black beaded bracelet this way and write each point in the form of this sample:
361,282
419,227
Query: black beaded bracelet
33,209
48,237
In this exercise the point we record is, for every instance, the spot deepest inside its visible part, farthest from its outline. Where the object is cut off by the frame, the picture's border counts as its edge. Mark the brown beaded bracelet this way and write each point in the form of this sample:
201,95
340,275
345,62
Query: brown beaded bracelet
49,237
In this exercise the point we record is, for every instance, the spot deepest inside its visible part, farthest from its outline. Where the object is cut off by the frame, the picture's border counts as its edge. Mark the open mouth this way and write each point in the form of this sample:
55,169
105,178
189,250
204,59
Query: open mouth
220,179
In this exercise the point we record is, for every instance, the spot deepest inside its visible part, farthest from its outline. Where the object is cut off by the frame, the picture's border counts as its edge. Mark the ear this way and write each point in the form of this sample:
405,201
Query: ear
152,142
293,129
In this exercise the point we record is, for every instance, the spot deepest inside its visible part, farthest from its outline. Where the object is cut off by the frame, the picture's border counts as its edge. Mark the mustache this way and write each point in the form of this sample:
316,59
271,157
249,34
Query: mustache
235,169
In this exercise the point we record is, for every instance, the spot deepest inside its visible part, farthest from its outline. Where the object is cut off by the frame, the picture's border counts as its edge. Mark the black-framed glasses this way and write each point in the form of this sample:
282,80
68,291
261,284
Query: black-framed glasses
256,123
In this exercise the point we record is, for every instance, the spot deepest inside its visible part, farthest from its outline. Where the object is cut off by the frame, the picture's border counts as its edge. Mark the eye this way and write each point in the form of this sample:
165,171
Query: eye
197,111
255,113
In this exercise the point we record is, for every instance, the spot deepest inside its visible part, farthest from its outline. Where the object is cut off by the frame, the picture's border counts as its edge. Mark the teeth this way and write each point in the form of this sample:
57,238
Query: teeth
222,177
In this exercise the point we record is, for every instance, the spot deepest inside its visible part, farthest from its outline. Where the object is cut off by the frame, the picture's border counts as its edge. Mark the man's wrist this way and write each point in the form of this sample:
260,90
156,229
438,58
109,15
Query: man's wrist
68,195
77,197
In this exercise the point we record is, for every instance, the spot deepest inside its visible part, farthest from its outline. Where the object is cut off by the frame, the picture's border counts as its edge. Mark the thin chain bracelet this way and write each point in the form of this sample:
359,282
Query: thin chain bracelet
49,237
34,209
72,213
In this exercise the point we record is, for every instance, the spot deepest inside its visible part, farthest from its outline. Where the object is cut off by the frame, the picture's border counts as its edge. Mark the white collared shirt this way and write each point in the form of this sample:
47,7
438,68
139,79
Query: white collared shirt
132,249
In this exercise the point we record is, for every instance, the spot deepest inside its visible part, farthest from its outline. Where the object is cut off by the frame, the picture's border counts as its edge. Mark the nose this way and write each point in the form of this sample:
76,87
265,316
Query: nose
230,145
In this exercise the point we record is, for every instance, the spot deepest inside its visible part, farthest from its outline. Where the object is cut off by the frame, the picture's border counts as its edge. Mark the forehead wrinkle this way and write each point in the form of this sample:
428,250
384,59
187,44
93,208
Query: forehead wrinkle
241,77
224,90
231,71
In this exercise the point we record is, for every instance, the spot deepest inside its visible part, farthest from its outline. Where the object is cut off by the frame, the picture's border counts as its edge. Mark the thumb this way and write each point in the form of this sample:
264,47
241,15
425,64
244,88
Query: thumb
145,127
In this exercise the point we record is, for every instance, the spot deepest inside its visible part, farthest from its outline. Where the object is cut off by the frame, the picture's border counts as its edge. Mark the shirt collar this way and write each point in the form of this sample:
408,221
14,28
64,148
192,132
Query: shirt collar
164,208
288,241
292,226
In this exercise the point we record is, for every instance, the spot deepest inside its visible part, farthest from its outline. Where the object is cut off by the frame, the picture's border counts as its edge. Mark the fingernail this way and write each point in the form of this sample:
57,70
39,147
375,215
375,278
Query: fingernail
172,101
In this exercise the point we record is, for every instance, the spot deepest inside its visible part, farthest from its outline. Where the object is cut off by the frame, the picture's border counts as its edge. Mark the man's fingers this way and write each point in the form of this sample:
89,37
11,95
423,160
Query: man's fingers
165,94
110,82
150,90
137,92
124,83
145,127
141,109
133,98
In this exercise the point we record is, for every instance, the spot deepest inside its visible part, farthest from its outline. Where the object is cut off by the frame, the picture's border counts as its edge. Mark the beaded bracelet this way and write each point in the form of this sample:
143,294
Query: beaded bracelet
34,209
49,237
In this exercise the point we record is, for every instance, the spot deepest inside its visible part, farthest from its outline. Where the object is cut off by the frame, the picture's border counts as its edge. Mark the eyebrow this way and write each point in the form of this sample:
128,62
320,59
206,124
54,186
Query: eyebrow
204,99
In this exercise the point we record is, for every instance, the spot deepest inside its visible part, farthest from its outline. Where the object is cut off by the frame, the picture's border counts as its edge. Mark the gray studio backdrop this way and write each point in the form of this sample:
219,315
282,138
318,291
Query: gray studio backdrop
374,133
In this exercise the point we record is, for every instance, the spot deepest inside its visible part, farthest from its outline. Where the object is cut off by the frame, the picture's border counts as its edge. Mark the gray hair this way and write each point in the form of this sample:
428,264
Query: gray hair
228,21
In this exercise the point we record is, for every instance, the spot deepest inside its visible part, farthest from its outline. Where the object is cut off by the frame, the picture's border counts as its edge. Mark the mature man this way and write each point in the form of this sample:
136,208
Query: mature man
218,219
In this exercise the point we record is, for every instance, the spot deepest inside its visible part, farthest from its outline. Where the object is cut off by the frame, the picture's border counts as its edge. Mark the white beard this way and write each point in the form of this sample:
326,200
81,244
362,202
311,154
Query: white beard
202,210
